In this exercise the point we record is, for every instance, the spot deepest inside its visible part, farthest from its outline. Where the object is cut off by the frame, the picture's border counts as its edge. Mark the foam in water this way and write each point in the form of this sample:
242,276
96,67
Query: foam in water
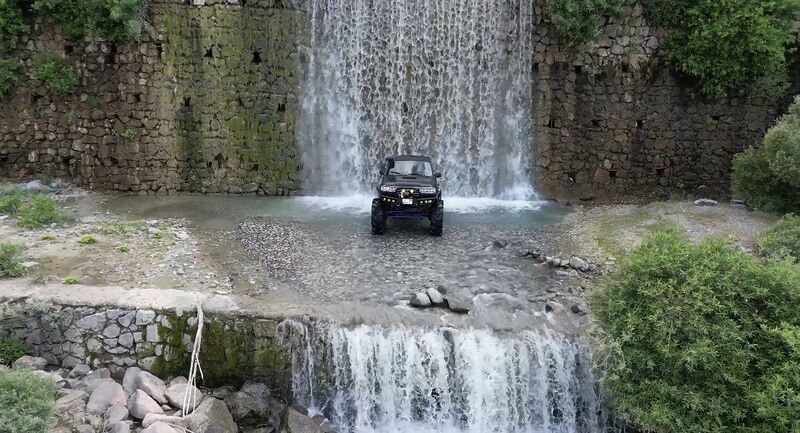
370,379
361,204
451,79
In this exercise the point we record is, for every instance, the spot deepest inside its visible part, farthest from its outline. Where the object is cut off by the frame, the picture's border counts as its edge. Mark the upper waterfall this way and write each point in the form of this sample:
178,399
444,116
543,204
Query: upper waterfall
450,79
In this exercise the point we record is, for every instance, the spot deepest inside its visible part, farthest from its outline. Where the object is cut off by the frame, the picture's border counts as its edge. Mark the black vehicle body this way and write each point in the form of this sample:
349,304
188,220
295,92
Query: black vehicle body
409,189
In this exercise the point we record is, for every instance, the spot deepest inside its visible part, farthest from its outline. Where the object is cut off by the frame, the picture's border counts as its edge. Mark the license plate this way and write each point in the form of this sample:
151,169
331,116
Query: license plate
408,201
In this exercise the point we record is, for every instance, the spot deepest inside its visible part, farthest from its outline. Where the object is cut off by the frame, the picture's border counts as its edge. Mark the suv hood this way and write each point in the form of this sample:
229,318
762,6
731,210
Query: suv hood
409,181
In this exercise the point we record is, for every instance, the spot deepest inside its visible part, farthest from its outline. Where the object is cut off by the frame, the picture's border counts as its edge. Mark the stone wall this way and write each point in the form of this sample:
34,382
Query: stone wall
612,121
206,102
234,348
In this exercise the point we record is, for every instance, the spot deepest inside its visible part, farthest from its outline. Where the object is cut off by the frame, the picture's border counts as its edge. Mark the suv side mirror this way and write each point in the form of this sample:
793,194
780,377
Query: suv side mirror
437,175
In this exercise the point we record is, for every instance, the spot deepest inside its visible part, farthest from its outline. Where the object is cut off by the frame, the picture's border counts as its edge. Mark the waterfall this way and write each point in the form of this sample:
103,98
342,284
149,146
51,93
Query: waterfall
372,379
451,79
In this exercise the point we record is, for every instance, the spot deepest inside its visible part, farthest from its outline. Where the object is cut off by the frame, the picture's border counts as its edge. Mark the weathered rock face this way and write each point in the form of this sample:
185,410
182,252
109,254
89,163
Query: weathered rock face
206,103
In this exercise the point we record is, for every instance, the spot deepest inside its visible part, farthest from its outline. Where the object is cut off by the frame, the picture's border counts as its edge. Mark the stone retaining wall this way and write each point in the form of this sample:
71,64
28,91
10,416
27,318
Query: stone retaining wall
234,349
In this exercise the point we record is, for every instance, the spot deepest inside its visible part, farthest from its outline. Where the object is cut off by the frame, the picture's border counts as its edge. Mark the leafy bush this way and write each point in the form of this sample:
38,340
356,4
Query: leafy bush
10,202
769,177
782,241
10,350
119,20
754,36
705,338
28,403
581,20
9,72
55,73
38,210
9,265
12,23
71,279
87,240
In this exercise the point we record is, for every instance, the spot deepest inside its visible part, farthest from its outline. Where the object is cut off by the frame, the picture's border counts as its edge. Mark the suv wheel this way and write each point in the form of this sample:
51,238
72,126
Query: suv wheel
437,219
378,218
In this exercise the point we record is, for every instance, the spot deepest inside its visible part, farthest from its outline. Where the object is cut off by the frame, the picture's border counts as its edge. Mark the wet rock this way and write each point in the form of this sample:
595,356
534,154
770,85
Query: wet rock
435,297
459,304
572,273
297,420
253,400
29,363
153,386
160,427
578,309
212,416
578,263
129,380
142,404
420,300
104,397
705,202
176,392
152,418
223,392
500,243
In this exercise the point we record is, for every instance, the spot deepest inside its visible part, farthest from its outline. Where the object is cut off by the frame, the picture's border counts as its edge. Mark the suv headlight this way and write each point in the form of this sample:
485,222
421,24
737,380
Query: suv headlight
427,190
387,188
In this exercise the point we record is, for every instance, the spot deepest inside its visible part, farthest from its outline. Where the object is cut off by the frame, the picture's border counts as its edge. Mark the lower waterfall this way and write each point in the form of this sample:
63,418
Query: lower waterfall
400,379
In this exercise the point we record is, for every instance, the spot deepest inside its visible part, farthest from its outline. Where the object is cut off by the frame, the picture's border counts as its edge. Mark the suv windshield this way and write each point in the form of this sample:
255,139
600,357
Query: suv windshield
409,168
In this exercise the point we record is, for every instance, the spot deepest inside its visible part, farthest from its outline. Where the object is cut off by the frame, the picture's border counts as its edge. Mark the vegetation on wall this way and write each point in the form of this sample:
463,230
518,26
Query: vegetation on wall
10,350
9,73
768,177
728,43
118,20
12,23
28,402
705,338
581,21
55,73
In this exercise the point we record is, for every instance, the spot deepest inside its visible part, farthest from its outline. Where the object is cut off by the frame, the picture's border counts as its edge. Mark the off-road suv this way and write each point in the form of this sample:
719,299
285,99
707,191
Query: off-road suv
409,189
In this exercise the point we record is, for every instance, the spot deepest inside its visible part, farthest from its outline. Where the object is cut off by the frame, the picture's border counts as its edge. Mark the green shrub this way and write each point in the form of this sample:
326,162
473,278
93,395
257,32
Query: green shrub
12,23
71,279
10,350
782,241
87,240
28,403
769,177
124,248
722,44
38,210
704,338
9,72
55,73
119,20
581,20
9,265
10,201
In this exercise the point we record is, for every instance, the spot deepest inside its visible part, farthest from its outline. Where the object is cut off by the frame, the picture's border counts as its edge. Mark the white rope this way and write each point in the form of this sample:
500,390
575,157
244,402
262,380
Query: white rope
190,396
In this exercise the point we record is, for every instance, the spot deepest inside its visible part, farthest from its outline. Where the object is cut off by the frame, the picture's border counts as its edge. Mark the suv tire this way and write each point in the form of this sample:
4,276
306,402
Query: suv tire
437,219
378,218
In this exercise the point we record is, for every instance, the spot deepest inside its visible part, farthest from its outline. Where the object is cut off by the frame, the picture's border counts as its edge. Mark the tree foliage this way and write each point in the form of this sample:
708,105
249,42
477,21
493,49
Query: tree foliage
12,23
97,19
706,338
725,43
768,177
581,20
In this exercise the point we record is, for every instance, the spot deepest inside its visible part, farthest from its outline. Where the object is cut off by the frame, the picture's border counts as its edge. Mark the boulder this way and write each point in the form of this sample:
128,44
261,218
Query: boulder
705,202
29,363
297,420
212,416
152,418
160,427
120,427
71,400
116,414
80,371
420,300
142,404
177,391
251,401
129,380
92,385
578,263
458,304
500,243
153,386
104,397
100,373
566,274
435,297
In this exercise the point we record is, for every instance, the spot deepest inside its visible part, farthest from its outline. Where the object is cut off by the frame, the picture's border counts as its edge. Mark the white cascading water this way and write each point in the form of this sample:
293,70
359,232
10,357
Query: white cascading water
451,79
370,379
